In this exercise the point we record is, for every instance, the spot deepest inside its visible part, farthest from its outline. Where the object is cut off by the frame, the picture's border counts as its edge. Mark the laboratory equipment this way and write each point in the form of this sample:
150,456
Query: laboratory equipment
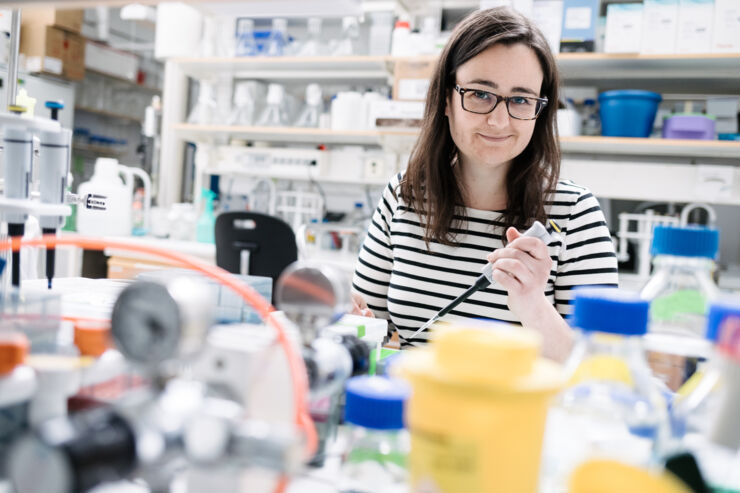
116,181
612,407
278,38
246,44
312,46
206,225
679,292
628,113
274,114
206,108
378,444
313,296
545,233
591,124
642,235
54,159
478,431
17,386
247,94
17,164
689,126
347,44
311,112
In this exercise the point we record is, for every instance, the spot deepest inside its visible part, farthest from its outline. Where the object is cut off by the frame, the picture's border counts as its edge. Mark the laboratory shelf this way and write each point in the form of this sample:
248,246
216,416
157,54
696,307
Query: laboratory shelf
108,114
288,134
288,67
650,147
96,150
301,173
128,82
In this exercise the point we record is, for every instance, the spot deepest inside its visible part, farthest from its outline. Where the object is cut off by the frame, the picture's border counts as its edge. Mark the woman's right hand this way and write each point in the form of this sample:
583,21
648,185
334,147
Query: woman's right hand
359,307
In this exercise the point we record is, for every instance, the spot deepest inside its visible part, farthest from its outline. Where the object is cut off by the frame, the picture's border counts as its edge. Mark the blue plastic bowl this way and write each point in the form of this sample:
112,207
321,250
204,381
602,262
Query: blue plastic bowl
629,113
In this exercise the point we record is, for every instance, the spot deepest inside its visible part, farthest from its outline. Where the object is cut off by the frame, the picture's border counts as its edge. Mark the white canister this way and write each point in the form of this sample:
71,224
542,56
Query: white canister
115,220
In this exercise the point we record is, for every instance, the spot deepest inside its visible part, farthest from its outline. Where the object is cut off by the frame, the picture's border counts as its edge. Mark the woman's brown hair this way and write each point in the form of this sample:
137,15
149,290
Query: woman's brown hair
429,185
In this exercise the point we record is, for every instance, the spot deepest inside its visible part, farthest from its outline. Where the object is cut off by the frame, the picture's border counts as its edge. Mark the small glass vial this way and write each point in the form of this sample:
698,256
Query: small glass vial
378,442
612,408
680,291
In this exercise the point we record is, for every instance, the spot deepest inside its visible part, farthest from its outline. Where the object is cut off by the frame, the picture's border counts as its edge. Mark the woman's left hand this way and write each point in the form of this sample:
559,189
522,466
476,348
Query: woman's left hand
522,268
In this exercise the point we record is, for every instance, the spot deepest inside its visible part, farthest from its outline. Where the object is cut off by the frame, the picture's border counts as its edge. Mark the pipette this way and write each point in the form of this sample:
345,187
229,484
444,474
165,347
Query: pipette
537,230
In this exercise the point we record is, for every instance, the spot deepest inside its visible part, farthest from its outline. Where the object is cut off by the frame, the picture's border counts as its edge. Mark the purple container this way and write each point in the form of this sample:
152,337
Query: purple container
698,127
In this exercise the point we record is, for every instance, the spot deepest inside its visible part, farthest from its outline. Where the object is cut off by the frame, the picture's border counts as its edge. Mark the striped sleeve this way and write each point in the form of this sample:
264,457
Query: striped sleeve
588,256
375,261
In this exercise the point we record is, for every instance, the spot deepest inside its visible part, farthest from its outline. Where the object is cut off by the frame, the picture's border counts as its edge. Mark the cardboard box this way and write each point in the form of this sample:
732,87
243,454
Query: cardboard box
68,20
660,27
623,28
579,25
52,50
411,79
109,61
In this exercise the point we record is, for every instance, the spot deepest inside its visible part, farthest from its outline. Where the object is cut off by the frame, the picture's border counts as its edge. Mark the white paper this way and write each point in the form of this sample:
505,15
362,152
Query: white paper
623,28
660,26
578,18
695,27
548,16
714,182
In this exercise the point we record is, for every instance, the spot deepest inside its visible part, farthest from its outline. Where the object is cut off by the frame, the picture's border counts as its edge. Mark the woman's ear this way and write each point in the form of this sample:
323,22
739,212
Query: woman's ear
447,106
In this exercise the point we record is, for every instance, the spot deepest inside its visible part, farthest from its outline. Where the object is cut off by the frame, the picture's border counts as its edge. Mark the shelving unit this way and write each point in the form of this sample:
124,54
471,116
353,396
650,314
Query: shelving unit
301,173
108,114
704,73
142,87
288,134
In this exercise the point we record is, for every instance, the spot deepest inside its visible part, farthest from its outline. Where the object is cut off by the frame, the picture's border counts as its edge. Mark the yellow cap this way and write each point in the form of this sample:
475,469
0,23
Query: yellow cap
13,351
485,356
606,476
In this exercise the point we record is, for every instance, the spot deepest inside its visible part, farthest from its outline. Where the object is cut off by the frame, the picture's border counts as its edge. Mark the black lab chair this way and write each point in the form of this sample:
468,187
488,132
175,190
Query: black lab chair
254,244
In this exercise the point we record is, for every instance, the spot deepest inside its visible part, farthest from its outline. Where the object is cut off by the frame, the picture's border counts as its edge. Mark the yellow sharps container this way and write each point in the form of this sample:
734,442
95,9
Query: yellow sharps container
478,408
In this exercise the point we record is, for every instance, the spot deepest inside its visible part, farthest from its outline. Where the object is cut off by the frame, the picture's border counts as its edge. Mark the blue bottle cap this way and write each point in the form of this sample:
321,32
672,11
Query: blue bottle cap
719,311
58,105
685,241
610,310
376,402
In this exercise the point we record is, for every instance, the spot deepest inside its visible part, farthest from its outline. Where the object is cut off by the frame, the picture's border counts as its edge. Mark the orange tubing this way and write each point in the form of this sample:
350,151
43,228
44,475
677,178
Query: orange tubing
295,362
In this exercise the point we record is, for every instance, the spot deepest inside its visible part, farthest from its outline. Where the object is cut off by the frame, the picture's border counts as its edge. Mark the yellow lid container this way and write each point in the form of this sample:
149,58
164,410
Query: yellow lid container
478,409
606,476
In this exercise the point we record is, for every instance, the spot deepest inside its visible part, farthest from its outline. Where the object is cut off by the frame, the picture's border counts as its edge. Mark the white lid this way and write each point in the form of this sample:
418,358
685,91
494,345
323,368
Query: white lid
313,94
275,93
245,25
106,167
280,24
314,25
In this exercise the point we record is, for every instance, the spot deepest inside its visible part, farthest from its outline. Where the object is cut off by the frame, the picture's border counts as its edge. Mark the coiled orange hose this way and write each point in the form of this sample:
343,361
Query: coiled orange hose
295,362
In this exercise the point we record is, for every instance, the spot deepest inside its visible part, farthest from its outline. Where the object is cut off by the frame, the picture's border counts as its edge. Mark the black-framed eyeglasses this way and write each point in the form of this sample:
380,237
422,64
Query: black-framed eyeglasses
483,102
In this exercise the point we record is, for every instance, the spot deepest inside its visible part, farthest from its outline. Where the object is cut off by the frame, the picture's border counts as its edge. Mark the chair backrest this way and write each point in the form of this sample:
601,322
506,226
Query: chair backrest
253,243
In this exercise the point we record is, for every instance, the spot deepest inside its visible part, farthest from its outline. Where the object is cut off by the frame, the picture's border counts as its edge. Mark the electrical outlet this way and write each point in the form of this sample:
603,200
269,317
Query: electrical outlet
374,167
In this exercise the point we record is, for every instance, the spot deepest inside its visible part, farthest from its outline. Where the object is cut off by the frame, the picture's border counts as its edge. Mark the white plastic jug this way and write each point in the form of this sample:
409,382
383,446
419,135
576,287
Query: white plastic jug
116,219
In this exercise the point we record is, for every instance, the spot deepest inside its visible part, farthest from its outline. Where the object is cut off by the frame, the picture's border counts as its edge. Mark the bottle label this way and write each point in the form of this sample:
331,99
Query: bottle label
442,464
681,307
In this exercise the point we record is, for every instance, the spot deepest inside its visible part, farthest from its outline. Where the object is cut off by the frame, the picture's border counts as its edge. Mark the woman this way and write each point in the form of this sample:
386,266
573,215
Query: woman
485,167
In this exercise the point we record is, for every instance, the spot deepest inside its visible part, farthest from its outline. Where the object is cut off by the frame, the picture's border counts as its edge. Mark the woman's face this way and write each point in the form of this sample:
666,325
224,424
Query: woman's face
494,139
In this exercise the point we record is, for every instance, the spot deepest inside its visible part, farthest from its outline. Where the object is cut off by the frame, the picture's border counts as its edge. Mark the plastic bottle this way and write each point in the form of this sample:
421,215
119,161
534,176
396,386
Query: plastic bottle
695,402
679,291
246,44
477,412
347,44
116,219
309,117
612,407
313,46
277,40
274,114
205,229
378,443
401,40
591,123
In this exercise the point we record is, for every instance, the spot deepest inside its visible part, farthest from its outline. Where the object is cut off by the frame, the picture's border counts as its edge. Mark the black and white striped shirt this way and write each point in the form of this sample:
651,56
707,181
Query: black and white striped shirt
407,284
